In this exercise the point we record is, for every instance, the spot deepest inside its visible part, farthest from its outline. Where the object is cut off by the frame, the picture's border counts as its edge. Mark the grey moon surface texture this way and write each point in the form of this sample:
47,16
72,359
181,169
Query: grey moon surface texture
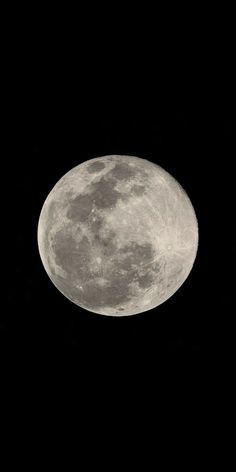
117,235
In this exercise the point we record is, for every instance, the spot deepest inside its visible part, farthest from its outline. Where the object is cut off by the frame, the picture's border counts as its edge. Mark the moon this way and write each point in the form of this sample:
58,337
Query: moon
117,235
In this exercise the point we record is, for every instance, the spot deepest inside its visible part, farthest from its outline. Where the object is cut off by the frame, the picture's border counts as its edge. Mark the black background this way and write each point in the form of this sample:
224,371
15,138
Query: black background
40,324
61,111
76,85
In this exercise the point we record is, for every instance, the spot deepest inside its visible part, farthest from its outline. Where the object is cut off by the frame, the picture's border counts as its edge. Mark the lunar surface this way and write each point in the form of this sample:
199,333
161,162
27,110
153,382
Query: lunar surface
117,235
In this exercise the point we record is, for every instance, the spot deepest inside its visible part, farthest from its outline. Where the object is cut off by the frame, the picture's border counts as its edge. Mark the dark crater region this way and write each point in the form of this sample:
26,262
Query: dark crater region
95,167
75,259
122,171
103,195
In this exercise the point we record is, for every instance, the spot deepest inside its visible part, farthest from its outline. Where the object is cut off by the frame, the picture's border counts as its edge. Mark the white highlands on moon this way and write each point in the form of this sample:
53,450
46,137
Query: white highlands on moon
117,235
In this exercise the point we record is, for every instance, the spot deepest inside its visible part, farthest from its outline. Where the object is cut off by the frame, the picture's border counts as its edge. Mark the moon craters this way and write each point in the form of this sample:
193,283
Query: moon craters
117,235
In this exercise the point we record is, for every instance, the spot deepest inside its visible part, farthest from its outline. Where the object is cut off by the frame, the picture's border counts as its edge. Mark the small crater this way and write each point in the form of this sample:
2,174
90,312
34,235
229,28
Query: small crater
107,245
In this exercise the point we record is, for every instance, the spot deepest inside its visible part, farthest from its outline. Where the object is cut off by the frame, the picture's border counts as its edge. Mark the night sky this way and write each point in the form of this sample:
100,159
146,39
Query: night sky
50,344
76,85
197,150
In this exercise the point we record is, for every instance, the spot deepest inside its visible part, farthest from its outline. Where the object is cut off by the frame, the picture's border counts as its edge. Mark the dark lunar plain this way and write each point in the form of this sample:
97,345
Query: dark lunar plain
44,336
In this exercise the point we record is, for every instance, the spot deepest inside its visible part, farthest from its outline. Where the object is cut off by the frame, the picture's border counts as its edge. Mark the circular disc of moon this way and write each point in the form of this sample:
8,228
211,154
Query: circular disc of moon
117,235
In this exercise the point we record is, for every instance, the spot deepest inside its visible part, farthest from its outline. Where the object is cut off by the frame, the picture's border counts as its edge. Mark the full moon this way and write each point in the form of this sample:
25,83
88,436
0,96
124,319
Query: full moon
117,235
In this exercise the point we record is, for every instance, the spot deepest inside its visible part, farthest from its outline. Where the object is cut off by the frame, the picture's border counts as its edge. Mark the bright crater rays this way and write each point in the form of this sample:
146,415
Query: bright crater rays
117,235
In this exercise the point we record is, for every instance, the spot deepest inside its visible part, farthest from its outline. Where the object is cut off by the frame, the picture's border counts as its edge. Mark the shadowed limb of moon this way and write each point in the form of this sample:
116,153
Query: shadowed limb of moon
117,235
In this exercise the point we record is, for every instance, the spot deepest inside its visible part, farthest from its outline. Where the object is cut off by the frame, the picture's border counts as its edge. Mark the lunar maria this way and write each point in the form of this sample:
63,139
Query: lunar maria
117,235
